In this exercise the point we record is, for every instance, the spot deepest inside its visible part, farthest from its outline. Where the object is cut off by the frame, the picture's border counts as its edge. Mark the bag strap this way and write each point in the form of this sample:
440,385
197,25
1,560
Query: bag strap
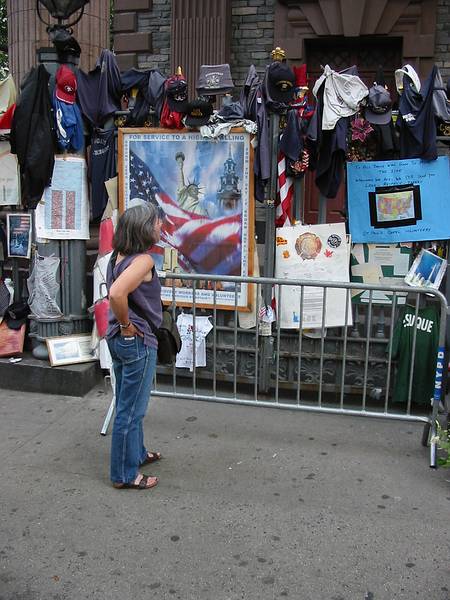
134,307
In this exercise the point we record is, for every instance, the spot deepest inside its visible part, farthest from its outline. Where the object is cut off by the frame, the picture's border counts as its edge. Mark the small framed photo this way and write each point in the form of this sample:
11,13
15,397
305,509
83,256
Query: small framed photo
18,231
395,206
70,349
427,270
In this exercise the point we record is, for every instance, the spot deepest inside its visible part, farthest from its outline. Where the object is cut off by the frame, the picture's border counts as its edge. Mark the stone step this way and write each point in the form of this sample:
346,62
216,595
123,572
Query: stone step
32,375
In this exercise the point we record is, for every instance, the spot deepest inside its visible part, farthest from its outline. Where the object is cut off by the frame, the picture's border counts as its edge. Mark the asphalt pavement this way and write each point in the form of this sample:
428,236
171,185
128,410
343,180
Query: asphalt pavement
252,503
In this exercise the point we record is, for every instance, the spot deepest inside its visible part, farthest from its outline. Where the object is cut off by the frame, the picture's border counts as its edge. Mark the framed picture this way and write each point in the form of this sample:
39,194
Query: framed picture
204,191
70,349
18,231
395,206
427,270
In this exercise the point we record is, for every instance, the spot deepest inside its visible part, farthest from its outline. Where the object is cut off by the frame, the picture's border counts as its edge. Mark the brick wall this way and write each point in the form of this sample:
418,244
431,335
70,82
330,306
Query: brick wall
442,48
252,36
156,22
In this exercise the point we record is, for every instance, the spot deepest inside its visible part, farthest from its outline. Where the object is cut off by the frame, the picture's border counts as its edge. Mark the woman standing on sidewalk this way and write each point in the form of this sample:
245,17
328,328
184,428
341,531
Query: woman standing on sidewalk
135,302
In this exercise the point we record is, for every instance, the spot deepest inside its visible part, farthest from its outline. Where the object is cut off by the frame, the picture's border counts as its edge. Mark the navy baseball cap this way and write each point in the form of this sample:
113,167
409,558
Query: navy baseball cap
232,111
379,105
280,82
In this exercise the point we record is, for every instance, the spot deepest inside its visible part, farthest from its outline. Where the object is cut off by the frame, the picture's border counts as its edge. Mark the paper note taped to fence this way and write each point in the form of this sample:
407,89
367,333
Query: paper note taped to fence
319,253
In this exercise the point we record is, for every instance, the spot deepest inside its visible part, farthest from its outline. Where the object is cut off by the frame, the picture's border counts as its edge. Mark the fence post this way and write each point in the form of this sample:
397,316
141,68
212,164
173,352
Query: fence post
439,380
298,212
269,253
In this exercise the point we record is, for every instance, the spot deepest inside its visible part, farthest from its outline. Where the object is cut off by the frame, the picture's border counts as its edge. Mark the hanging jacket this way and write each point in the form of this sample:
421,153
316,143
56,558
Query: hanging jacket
249,93
441,104
328,150
416,120
342,94
150,86
33,137
69,125
291,143
99,91
253,103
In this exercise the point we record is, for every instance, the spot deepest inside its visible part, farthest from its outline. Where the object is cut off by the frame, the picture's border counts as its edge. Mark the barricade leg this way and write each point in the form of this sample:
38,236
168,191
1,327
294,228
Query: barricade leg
436,402
112,405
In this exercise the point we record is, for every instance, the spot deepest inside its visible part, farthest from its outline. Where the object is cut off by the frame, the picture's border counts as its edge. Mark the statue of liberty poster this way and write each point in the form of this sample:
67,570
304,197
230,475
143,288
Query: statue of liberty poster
203,189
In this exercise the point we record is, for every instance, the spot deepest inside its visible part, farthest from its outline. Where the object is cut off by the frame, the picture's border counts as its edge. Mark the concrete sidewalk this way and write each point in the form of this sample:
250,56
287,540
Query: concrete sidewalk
252,504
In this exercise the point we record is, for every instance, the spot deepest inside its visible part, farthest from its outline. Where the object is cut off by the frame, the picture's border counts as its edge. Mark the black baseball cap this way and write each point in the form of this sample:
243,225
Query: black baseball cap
177,93
280,82
16,314
379,105
198,112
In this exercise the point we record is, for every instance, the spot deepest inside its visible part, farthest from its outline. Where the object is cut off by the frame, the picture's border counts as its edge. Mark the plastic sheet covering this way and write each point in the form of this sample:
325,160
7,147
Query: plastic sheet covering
43,287
100,269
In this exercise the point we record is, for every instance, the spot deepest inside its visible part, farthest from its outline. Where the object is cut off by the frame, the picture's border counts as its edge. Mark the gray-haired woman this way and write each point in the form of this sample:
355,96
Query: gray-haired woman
135,302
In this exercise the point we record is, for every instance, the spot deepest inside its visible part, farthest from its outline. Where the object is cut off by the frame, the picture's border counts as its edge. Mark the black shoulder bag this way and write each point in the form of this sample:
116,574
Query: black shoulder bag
167,334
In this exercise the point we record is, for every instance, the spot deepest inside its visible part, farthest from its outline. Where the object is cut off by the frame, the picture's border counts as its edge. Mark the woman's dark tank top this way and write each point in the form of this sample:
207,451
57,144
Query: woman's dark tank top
147,297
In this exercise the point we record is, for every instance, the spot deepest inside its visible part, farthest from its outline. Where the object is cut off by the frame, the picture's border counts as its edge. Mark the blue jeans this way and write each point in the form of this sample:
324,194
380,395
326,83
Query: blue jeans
134,367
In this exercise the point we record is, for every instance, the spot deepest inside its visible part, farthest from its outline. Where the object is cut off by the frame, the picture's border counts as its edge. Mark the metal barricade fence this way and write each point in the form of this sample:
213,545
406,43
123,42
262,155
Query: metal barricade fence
255,367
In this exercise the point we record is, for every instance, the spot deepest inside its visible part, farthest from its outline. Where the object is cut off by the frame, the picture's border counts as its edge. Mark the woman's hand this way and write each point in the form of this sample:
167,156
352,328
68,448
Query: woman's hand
130,331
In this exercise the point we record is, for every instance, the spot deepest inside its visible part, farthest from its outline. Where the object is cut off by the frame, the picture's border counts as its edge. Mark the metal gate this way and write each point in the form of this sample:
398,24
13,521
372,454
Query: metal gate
279,374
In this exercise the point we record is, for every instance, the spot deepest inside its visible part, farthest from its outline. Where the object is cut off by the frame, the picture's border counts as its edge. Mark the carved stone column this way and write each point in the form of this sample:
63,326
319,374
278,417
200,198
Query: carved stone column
26,34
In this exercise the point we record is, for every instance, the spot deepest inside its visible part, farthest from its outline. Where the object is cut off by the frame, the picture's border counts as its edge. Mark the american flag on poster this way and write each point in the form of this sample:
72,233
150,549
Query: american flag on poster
204,245
285,194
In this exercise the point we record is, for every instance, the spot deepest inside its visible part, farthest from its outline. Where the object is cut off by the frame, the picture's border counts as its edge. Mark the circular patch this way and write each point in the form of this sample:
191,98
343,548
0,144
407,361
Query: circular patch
334,241
308,246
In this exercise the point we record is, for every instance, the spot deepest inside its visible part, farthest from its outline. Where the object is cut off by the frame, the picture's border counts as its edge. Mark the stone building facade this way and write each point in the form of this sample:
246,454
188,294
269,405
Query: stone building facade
146,31
442,47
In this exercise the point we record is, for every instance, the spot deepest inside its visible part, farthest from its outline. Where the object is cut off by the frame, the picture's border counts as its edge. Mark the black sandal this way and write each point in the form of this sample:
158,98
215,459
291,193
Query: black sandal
151,458
142,485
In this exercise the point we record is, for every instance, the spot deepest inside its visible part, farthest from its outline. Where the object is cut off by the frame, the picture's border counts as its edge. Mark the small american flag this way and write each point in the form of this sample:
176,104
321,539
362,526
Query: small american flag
204,245
285,194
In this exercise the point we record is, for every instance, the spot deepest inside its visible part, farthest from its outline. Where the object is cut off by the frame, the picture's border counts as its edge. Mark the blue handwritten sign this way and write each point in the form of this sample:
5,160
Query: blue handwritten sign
399,200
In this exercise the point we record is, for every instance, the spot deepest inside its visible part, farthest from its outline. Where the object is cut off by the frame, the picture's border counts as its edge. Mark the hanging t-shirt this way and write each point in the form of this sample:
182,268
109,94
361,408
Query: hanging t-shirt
185,324
102,166
425,353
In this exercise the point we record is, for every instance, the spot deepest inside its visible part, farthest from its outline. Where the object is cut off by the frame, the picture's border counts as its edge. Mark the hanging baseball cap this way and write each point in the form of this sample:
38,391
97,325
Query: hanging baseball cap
280,82
301,76
198,112
177,93
214,79
232,111
379,105
66,84
409,71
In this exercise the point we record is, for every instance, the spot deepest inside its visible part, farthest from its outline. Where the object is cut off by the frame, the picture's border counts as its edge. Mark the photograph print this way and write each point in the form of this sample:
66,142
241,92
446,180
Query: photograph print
19,235
427,270
203,190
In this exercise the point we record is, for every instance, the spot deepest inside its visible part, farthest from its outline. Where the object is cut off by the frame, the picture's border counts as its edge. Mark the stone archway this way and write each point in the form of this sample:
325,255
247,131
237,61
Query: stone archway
414,21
